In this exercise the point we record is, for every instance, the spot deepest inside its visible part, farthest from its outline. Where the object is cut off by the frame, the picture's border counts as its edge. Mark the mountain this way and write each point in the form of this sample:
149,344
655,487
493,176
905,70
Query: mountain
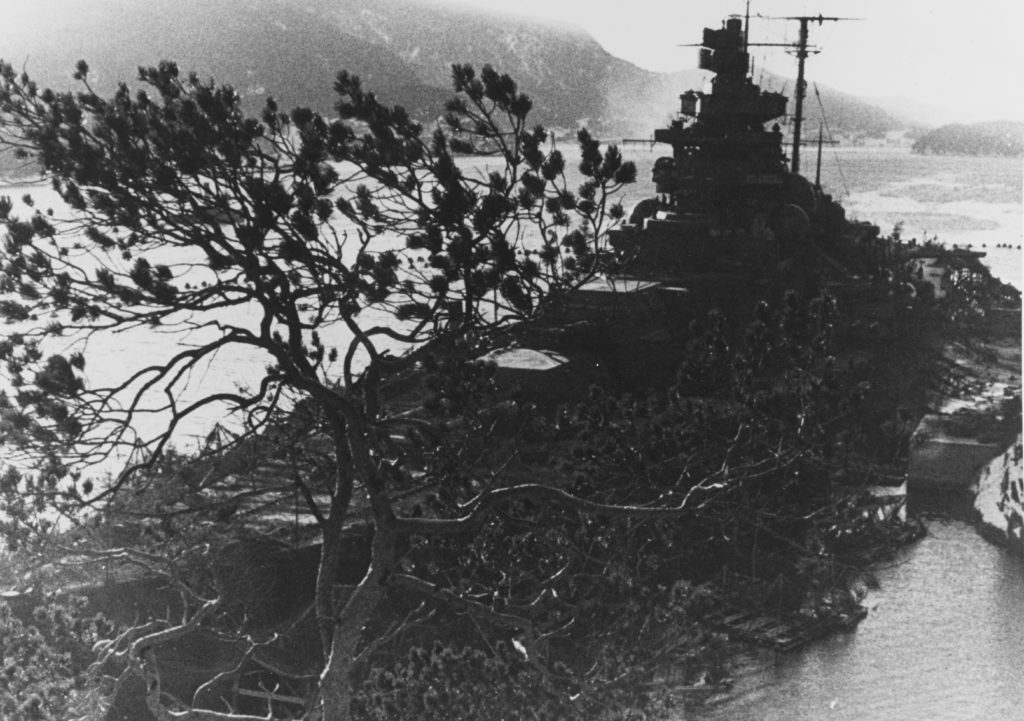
402,49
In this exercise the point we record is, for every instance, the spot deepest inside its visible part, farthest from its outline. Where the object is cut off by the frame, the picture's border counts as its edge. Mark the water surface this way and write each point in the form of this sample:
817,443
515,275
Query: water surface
944,641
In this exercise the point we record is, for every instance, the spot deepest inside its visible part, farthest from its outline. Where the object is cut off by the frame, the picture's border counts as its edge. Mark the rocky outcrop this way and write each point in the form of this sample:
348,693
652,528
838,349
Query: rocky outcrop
1000,499
993,138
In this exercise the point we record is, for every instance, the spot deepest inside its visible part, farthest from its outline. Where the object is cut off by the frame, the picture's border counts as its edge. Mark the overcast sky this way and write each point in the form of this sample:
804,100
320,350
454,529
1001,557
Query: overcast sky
964,56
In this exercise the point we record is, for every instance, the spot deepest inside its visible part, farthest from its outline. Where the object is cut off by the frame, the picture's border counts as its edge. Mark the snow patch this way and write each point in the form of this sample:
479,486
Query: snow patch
1000,497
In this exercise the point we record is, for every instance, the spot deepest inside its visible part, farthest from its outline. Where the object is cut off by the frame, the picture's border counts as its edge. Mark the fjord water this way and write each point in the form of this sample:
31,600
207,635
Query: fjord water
975,202
943,641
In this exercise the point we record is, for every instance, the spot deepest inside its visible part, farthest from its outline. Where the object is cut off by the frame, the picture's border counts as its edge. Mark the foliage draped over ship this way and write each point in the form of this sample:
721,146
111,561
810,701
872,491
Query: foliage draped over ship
726,195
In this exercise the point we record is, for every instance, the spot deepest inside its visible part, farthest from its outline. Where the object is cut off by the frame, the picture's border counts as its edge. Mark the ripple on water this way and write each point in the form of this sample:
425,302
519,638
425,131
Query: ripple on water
944,642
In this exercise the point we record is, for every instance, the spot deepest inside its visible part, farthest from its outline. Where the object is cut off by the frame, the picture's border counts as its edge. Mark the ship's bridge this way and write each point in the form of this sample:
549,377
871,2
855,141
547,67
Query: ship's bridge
744,105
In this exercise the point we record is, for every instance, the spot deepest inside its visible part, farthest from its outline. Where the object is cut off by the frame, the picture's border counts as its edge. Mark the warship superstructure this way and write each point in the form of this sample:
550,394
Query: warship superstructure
722,154
728,175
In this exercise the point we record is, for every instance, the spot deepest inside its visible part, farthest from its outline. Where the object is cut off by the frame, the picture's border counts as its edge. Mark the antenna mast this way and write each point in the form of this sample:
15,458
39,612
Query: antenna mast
746,30
801,85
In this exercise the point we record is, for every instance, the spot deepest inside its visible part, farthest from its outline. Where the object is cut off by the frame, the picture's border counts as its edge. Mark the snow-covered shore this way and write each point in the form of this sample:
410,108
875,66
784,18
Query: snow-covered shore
1000,496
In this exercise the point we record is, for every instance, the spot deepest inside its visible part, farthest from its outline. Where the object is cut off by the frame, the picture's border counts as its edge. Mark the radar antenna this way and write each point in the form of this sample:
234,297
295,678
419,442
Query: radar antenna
801,51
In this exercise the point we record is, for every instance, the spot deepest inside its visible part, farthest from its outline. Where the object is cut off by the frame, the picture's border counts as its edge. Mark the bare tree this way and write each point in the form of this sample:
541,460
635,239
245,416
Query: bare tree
219,230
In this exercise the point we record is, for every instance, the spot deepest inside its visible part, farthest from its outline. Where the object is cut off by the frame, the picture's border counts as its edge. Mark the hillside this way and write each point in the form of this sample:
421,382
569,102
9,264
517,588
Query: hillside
994,138
402,49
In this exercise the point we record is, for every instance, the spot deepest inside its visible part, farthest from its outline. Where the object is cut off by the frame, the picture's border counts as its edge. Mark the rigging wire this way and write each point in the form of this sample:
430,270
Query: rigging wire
824,120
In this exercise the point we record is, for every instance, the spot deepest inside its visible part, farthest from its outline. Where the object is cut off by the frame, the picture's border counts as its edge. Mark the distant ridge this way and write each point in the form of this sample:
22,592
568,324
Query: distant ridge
402,49
1001,138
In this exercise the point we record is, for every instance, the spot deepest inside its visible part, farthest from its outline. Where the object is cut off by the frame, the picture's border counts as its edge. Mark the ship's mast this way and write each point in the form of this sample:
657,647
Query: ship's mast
801,89
802,52
746,31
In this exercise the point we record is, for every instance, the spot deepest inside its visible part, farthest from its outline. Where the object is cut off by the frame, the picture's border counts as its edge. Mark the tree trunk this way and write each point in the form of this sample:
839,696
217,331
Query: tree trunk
336,681
331,530
326,579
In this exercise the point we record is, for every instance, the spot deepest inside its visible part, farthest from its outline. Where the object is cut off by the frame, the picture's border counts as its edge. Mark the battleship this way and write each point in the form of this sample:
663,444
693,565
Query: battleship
729,196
